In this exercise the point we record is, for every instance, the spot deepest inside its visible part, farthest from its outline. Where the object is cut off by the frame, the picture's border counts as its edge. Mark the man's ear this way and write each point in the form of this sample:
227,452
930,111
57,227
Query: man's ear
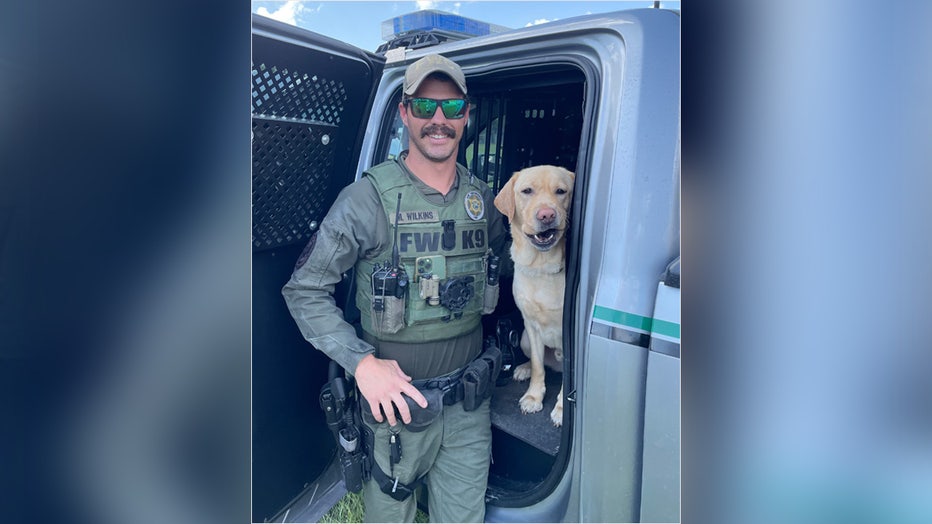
505,201
403,112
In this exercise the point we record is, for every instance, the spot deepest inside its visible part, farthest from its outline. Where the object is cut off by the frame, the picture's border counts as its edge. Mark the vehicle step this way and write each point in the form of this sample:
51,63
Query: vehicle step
535,429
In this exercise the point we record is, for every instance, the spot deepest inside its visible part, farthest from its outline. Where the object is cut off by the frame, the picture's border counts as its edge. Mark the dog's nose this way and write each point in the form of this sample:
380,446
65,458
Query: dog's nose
546,215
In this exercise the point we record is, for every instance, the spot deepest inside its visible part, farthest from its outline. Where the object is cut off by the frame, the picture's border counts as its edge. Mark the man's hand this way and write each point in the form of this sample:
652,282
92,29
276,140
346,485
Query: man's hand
383,382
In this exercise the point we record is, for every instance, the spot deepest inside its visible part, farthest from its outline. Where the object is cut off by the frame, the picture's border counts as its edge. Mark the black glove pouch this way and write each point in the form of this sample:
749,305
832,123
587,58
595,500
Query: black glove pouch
421,418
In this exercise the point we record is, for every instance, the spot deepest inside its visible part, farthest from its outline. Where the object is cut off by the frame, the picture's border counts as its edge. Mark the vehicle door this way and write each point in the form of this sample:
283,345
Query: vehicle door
311,97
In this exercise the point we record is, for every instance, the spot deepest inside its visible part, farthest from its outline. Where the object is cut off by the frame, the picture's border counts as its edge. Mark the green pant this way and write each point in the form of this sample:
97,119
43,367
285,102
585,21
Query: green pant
455,450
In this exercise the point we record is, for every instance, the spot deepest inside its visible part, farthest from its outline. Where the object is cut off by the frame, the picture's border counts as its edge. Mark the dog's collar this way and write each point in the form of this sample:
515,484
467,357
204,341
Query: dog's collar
539,271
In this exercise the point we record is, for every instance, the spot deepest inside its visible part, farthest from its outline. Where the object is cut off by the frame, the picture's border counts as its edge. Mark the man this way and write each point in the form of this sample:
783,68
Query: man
425,337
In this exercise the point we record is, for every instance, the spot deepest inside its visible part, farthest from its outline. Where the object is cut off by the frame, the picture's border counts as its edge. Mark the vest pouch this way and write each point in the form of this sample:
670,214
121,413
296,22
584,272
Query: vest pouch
472,383
388,314
479,377
490,299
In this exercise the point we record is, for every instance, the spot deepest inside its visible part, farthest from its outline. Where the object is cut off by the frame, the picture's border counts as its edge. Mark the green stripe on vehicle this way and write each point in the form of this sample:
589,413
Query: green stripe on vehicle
630,320
665,327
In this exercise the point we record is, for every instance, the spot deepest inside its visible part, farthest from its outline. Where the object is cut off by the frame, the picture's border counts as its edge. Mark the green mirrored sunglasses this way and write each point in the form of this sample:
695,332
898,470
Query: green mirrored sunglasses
453,108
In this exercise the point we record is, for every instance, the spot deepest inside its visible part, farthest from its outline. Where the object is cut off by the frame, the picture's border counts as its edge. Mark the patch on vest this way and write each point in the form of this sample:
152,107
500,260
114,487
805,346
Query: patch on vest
416,217
475,206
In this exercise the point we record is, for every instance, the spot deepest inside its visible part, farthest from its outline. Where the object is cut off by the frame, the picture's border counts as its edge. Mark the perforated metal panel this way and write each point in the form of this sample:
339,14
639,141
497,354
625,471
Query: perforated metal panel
291,186
280,92
295,139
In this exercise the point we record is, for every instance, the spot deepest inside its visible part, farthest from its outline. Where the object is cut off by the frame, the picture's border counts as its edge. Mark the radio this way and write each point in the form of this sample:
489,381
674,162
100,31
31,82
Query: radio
389,281
389,287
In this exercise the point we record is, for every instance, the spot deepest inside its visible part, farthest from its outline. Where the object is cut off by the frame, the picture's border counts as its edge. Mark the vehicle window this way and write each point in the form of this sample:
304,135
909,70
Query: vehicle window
397,136
484,135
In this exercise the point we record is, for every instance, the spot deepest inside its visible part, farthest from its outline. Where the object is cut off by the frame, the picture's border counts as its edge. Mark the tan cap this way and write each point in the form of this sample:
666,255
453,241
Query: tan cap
421,69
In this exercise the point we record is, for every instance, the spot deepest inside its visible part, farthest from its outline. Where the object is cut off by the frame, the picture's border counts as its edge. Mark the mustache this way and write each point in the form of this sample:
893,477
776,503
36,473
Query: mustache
438,129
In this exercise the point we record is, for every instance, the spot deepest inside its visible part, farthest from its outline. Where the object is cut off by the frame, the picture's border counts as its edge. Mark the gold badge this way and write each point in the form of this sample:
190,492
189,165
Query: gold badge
475,206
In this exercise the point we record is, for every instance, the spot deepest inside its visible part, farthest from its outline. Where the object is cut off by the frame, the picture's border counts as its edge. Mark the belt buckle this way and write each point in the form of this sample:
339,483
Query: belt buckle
449,384
449,391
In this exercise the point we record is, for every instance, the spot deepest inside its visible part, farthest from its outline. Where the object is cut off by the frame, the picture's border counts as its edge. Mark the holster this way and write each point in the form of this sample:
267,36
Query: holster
337,399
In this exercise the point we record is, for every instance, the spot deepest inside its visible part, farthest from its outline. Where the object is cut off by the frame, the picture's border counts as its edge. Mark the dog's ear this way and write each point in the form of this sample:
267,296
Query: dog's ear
505,201
571,174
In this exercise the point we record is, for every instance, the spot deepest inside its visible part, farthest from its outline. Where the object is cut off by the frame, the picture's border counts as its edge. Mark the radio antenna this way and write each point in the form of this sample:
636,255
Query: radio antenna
395,260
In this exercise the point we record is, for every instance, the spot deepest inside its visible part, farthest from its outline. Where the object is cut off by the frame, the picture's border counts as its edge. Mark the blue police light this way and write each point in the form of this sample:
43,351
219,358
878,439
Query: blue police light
432,20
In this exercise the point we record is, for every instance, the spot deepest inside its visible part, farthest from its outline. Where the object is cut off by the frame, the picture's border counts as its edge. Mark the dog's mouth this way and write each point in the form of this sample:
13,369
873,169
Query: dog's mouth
545,239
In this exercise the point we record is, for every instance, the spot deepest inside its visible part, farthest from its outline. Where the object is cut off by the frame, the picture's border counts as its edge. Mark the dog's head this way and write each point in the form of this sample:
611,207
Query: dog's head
536,201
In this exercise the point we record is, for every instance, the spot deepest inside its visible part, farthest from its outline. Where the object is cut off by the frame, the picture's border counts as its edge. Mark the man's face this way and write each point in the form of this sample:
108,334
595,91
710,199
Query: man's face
435,138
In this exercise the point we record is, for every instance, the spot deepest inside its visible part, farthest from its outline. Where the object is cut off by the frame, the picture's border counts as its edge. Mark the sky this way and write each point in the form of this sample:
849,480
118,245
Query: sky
360,22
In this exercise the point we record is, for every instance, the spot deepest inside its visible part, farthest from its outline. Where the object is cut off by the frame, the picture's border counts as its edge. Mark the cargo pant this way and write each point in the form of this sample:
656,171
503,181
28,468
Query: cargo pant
455,450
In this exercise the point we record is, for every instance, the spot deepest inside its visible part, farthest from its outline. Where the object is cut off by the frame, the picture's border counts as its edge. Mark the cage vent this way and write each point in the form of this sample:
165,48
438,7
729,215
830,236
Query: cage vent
280,93
291,187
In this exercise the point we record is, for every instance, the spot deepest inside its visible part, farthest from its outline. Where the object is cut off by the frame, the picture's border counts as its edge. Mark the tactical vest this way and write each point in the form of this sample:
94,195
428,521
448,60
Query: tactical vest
440,244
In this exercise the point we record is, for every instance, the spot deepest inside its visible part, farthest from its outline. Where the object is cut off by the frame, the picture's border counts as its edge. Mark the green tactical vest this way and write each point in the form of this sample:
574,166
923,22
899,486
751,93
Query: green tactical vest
433,241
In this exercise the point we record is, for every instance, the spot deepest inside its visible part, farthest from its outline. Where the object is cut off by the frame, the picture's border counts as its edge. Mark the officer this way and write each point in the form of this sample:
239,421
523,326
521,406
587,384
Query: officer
420,308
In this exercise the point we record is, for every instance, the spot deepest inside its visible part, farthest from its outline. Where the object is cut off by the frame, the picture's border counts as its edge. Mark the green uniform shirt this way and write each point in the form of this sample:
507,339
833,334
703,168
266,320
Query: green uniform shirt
356,227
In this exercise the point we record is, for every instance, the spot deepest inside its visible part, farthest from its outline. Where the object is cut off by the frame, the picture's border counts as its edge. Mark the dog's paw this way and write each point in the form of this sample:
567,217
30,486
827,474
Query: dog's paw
531,403
522,372
556,416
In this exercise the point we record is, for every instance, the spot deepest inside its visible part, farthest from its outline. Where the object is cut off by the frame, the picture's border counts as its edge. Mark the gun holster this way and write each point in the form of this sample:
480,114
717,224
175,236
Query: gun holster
337,399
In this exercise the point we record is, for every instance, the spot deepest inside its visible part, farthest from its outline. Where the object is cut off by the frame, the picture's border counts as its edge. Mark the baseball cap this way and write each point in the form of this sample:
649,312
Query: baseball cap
434,63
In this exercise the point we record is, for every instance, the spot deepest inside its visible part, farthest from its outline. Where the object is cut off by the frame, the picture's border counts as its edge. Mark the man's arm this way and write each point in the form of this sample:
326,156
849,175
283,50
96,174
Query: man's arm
332,251
354,227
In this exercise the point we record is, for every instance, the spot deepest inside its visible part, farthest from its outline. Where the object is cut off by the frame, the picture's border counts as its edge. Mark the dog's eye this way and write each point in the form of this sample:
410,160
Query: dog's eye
561,191
527,190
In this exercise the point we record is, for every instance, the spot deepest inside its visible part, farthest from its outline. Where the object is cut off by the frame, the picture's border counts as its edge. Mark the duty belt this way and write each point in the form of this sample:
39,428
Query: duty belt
450,384
471,385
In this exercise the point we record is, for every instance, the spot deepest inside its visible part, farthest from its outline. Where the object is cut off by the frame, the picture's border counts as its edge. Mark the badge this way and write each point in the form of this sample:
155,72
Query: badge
475,206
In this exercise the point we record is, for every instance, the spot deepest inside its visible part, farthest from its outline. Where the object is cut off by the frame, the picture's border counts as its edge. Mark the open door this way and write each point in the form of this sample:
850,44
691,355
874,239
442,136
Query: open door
311,98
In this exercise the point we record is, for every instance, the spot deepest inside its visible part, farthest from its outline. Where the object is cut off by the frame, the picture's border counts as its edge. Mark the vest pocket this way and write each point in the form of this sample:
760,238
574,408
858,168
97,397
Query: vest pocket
490,298
388,314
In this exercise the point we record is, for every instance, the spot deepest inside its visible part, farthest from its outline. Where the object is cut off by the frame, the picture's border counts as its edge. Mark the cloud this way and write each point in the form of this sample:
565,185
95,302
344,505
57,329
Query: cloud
287,13
540,21
426,4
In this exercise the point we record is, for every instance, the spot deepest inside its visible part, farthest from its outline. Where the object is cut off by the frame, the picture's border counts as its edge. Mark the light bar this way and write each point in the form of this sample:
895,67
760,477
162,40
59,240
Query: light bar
430,19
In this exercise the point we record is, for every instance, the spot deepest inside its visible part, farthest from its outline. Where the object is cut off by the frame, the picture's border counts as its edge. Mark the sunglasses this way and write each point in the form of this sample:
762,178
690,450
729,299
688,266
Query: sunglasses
453,108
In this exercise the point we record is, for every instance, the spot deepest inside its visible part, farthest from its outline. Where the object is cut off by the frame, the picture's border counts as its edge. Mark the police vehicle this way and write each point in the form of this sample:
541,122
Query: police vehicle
598,95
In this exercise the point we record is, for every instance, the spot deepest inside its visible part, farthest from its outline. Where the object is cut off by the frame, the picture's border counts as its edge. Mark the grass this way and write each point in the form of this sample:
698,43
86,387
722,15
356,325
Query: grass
348,509
351,508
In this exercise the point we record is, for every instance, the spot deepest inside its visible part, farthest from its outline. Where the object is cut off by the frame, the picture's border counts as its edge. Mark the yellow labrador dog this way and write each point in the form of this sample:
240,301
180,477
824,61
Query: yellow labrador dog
536,201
